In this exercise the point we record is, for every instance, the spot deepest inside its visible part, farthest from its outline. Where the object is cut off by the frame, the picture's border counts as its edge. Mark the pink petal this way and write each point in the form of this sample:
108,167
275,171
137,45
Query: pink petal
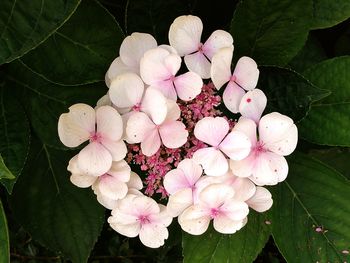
246,73
154,66
133,48
173,63
261,201
226,225
144,205
174,111
194,220
125,224
213,161
236,145
168,48
151,143
162,218
126,90
167,88
199,64
109,123
105,201
278,133
173,134
214,195
221,67
138,126
117,149
76,126
185,34
111,187
211,130
191,170
248,127
188,85
269,169
155,105
115,69
94,159
234,209
120,171
245,167
232,97
135,181
244,188
218,39
253,104
153,235
179,201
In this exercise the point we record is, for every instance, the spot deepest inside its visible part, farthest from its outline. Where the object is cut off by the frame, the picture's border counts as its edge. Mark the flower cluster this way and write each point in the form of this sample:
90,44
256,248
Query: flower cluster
163,117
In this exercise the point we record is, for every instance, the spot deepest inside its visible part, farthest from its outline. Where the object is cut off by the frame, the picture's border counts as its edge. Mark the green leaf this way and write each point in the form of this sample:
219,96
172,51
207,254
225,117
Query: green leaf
271,31
4,171
54,99
62,217
327,13
288,92
74,55
153,16
15,137
328,120
26,24
310,216
213,247
4,237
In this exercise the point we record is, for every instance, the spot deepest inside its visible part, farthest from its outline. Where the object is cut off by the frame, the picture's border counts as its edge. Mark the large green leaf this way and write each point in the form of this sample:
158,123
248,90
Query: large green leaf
60,216
328,120
327,13
15,137
288,92
153,16
81,50
47,101
271,31
4,237
213,247
310,217
25,24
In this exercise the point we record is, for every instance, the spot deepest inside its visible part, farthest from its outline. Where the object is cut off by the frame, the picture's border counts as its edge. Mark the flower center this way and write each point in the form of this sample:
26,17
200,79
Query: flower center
233,78
214,212
95,137
200,48
259,148
143,219
137,107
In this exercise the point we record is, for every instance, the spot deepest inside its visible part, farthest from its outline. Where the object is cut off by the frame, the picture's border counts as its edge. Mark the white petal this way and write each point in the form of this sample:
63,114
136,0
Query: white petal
168,48
138,126
77,178
179,201
117,149
173,109
133,48
153,235
155,105
121,171
123,224
246,73
126,90
221,67
135,181
76,126
115,69
218,39
173,134
211,130
104,101
167,88
226,225
191,170
232,97
109,123
143,205
248,127
185,34
253,104
94,159
244,188
245,167
278,133
213,161
105,201
111,187
235,209
151,143
236,145
261,201
199,64
188,85
215,195
194,220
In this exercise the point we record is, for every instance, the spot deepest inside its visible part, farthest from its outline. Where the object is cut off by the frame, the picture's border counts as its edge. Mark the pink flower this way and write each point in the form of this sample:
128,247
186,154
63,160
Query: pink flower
244,77
158,69
139,215
214,131
185,36
216,202
265,164
103,128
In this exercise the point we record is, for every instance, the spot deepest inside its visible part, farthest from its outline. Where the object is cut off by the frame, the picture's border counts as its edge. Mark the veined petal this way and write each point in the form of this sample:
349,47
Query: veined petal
154,104
94,159
123,224
117,149
248,127
185,34
188,85
179,201
121,171
76,126
167,88
111,187
199,64
151,143
218,39
245,167
138,126
194,220
191,170
78,178
232,96
173,134
115,69
212,160
153,235
236,145
244,188
109,123
235,209
211,130
221,67
135,181
225,225
246,73
174,111
215,195
126,90
253,104
261,201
